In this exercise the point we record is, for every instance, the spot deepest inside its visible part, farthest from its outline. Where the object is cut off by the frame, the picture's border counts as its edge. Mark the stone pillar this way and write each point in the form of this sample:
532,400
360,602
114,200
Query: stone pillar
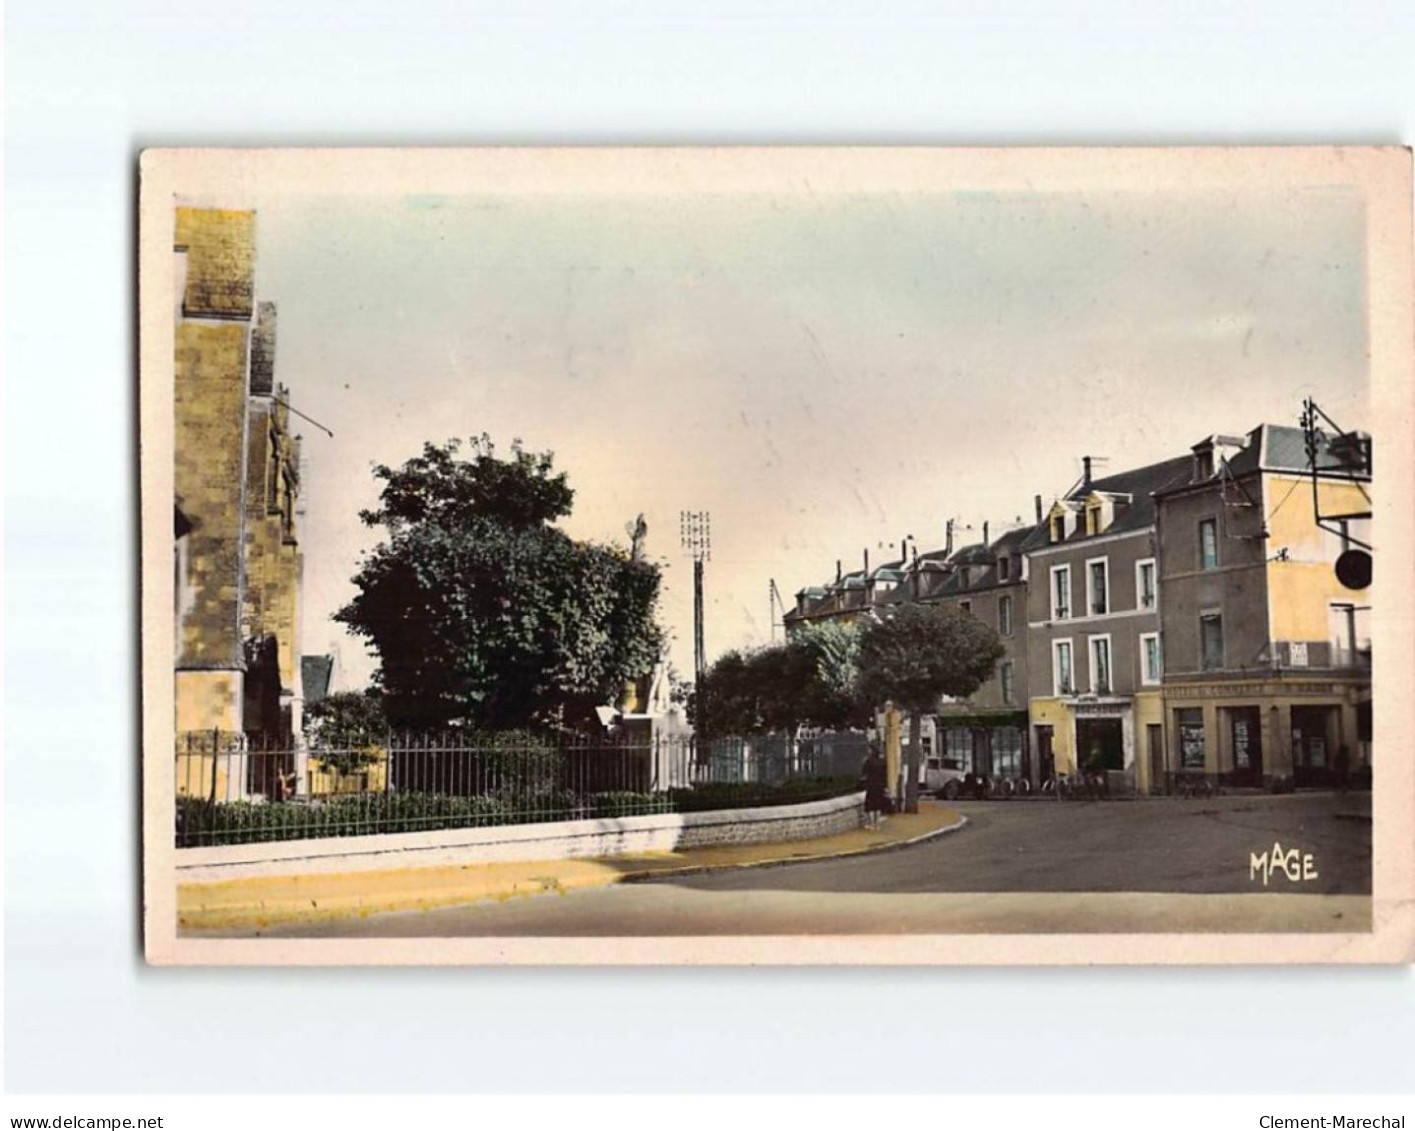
893,753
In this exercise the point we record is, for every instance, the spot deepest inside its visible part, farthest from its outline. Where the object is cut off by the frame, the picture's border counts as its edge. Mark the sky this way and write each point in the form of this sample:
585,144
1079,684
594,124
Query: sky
824,372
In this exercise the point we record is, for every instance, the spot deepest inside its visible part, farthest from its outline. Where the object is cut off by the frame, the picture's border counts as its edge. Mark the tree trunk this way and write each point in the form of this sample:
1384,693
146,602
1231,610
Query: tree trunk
911,775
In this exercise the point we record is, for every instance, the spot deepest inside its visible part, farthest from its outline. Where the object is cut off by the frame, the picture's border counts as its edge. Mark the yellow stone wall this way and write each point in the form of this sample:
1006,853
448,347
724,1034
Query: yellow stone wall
1057,715
372,778
209,436
1301,587
273,560
1148,711
206,700
220,247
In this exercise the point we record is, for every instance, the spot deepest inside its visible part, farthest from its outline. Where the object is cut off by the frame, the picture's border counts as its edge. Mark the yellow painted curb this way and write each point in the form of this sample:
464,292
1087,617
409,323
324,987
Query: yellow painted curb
264,901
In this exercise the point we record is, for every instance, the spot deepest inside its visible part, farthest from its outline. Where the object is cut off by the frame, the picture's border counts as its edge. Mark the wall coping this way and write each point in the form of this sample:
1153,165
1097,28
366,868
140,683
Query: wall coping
391,850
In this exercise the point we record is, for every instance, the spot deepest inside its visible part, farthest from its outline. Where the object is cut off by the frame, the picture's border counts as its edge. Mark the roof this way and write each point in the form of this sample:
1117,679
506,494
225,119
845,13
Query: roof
315,672
1141,484
1277,447
1285,449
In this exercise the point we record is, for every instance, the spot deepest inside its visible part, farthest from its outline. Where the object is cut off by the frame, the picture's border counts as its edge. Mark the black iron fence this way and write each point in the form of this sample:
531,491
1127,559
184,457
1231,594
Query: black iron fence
234,789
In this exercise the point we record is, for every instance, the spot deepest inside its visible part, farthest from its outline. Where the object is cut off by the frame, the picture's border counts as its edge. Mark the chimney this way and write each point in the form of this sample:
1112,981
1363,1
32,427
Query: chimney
867,559
1039,510
1086,473
839,573
948,539
986,543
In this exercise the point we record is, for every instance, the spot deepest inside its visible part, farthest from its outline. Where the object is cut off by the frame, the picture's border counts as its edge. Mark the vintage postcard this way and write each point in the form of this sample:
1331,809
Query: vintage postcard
777,555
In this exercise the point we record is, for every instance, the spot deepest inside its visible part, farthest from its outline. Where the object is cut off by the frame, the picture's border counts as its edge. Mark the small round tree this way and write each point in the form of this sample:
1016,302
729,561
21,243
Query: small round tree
915,656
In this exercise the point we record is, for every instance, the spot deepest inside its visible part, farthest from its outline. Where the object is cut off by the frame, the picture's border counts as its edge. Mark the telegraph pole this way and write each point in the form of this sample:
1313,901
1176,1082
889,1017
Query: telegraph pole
695,529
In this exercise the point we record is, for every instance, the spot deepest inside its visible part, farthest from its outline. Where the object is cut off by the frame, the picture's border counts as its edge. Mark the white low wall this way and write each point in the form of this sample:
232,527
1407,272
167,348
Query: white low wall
556,840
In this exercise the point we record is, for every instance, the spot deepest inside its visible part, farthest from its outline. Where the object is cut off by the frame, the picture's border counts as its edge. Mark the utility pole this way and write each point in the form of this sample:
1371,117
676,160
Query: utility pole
774,605
695,530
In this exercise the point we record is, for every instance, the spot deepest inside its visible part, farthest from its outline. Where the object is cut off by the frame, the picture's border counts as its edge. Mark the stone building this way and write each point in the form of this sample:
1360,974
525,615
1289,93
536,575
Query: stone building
238,562
987,733
1093,625
1267,661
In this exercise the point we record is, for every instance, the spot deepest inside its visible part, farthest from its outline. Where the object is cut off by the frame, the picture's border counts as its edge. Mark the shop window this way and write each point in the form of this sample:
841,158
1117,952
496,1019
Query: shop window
1007,752
958,749
1190,726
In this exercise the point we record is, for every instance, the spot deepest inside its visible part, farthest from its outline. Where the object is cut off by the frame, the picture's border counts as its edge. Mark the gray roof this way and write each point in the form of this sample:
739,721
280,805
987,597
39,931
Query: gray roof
315,672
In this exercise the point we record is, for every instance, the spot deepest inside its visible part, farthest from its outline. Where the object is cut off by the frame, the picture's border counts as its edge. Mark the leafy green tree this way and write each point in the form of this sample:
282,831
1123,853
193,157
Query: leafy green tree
346,718
810,679
832,695
919,654
347,729
484,613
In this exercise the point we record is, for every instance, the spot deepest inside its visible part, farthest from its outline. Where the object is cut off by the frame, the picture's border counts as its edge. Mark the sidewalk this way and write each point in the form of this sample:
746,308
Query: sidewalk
266,901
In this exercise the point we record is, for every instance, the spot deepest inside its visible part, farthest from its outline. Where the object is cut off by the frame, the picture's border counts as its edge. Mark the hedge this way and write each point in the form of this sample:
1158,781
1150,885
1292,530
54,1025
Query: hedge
201,822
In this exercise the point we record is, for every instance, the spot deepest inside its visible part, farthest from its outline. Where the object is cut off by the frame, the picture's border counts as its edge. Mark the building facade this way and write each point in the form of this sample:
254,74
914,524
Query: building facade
1267,654
238,561
987,733
1093,626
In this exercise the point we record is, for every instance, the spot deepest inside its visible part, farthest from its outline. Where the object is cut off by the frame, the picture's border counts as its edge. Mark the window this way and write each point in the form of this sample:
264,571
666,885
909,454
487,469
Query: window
966,606
1145,584
1004,568
1098,586
1203,465
1006,752
1151,669
1060,592
1005,677
1093,518
1004,616
958,749
1100,665
1058,528
1349,634
1062,681
1208,543
1190,728
1211,640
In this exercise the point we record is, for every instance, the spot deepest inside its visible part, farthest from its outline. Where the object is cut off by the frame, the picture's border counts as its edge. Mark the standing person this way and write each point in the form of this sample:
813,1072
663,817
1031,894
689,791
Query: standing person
1343,768
872,777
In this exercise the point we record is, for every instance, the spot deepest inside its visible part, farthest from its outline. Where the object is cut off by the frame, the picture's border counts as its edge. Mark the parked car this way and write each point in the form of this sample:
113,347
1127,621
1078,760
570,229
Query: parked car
941,777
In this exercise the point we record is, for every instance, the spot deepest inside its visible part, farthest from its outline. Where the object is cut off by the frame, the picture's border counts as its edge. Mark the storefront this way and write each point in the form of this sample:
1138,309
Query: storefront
1246,734
992,745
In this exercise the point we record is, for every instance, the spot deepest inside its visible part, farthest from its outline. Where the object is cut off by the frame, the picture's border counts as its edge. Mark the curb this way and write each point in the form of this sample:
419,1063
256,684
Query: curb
651,875
267,916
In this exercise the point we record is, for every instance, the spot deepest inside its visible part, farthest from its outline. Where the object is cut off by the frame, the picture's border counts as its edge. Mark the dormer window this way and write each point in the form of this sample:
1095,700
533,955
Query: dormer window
1203,465
1093,518
1004,568
1058,528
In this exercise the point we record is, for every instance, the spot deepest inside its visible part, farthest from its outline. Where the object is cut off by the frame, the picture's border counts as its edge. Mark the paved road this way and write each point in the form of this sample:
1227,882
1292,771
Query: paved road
1018,866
